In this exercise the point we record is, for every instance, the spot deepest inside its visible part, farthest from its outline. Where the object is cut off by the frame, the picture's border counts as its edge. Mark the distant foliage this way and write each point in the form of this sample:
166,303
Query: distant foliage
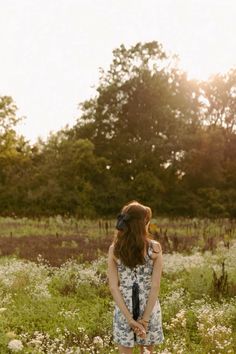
149,133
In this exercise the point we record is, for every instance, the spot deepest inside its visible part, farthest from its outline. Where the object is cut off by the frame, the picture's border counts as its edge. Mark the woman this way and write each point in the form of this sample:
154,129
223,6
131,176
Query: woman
134,273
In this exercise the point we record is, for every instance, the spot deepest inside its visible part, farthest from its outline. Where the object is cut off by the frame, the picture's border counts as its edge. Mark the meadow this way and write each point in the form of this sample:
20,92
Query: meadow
54,295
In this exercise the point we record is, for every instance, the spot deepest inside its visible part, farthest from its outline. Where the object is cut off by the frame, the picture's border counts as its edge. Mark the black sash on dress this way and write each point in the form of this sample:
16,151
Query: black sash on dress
135,300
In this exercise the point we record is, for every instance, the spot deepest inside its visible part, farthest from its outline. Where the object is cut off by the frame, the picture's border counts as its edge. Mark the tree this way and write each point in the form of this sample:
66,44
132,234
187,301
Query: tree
142,111
219,94
203,162
63,176
14,157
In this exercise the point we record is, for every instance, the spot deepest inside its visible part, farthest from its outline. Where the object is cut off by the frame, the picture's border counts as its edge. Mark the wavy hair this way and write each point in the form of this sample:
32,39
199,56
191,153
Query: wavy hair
130,243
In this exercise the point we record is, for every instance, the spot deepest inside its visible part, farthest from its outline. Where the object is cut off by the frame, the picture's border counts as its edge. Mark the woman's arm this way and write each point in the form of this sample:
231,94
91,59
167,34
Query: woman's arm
155,281
114,287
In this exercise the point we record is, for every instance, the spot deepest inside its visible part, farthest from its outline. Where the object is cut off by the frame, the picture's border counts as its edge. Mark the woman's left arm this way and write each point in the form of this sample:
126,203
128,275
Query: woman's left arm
155,281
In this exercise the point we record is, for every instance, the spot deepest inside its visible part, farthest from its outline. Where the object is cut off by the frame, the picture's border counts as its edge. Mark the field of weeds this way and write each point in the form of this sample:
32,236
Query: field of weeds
54,296
58,239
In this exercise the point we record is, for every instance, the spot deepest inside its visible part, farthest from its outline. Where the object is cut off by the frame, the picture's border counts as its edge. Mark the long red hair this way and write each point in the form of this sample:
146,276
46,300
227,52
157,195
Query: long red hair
130,244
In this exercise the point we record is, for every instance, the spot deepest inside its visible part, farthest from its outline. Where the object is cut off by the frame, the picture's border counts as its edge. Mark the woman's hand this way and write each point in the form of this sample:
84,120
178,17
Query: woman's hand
144,323
138,328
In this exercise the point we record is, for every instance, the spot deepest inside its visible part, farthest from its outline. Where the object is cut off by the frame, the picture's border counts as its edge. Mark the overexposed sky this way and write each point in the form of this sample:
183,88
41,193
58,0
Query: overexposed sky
51,50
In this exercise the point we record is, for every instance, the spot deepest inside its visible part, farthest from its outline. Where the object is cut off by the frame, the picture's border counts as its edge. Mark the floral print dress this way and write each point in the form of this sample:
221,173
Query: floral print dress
122,332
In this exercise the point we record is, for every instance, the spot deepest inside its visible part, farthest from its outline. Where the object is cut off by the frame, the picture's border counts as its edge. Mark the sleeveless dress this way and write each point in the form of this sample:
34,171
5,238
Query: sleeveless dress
123,334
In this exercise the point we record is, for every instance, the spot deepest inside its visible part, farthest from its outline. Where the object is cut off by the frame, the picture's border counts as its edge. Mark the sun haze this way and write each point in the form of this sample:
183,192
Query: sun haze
51,50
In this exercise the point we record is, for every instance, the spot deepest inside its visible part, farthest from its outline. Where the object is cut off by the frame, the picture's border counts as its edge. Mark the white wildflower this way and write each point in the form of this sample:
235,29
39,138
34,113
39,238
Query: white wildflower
69,314
179,321
177,262
2,309
98,341
17,274
15,345
176,297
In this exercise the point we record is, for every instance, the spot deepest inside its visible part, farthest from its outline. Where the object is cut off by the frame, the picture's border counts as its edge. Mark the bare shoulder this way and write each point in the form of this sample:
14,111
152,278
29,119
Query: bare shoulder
111,247
111,252
156,248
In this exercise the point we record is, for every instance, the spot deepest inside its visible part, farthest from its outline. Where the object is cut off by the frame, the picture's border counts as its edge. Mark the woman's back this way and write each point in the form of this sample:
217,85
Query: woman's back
141,274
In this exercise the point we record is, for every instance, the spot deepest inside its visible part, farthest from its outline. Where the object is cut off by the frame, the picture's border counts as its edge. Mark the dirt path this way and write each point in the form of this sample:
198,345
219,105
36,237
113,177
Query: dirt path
55,249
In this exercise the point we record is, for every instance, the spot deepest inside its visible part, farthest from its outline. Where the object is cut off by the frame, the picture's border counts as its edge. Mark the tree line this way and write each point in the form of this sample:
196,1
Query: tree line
149,133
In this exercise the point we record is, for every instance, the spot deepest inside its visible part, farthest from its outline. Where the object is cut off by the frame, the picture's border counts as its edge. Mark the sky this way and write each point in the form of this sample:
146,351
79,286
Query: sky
51,50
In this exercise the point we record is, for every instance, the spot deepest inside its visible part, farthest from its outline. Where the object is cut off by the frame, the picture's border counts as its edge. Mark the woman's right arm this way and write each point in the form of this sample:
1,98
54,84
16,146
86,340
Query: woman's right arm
155,281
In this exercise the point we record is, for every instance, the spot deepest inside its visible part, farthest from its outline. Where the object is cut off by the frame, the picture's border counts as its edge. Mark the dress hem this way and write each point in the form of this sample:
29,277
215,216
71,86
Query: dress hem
135,343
